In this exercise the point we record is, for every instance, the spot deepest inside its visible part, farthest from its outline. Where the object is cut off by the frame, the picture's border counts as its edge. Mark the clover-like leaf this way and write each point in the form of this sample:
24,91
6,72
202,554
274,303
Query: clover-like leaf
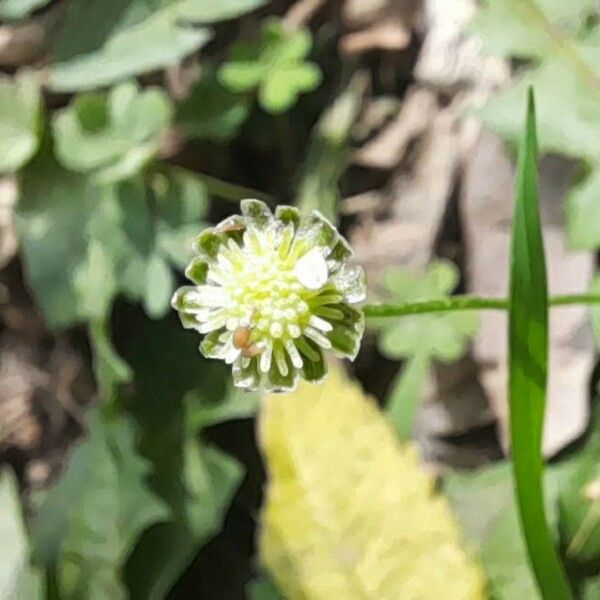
84,243
212,111
112,135
275,65
441,336
71,240
91,519
19,119
160,237
102,43
13,10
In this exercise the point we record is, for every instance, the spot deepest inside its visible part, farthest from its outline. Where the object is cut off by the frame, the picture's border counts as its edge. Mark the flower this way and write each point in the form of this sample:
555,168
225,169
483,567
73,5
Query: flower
272,292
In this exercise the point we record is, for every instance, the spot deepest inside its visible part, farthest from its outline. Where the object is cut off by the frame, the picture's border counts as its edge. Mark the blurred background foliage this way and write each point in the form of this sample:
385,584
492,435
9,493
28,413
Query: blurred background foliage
130,465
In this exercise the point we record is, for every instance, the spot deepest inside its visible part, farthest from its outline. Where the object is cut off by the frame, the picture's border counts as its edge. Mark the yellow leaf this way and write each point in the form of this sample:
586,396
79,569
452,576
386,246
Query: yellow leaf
350,514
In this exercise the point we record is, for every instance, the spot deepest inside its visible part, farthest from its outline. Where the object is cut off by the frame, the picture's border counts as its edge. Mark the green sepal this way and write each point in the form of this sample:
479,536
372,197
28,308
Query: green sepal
248,377
257,213
288,214
314,370
207,244
346,334
197,270
276,382
319,230
180,300
210,346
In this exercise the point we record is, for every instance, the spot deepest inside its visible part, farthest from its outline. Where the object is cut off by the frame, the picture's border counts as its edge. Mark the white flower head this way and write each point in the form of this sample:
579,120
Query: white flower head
272,292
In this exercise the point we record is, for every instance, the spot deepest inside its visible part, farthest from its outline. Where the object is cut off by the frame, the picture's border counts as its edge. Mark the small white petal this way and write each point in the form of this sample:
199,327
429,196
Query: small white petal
217,321
317,337
252,241
319,323
294,354
294,330
232,354
216,276
201,314
264,363
234,248
276,329
280,360
224,263
311,270
245,362
211,295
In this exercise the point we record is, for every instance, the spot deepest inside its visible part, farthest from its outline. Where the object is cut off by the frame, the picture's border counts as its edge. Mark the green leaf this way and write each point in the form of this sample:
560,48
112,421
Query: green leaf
181,202
196,481
159,286
329,151
580,513
561,40
484,504
103,43
112,135
275,64
110,369
202,411
84,243
528,368
95,282
211,111
20,111
263,588
441,336
13,10
71,239
90,520
18,580
160,223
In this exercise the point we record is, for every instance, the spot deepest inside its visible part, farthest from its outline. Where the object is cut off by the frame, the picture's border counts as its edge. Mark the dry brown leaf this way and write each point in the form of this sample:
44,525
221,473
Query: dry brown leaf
387,149
377,25
8,238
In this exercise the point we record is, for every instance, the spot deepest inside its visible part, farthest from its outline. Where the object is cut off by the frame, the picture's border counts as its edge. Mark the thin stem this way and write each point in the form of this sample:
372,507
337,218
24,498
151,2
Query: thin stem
454,303
232,191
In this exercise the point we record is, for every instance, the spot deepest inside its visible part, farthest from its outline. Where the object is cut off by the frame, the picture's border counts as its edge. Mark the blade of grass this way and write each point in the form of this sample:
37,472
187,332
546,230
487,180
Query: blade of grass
528,368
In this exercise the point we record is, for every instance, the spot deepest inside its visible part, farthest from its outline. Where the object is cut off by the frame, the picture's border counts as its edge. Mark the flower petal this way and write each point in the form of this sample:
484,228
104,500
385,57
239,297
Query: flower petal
311,270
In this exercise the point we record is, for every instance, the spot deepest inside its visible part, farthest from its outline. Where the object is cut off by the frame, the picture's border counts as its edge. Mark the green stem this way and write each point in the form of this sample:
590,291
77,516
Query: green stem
454,303
232,191
403,400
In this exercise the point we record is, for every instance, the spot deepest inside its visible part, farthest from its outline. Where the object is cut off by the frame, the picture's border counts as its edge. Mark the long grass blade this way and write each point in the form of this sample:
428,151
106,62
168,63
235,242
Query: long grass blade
528,368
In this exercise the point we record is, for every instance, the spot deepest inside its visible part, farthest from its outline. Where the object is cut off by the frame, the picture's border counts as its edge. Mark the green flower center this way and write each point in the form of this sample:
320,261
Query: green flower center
262,285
